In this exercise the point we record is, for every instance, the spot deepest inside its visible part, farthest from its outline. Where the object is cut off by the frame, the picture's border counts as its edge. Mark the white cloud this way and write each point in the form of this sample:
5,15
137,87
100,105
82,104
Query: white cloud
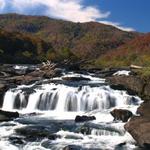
2,4
72,10
117,25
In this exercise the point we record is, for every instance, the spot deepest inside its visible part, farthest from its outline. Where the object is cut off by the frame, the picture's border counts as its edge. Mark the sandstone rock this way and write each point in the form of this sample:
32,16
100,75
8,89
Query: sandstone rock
121,114
84,118
139,128
128,82
144,109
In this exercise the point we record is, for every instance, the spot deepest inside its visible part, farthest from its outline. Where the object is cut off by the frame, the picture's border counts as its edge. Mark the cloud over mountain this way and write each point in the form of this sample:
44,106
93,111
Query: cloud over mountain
72,10
117,25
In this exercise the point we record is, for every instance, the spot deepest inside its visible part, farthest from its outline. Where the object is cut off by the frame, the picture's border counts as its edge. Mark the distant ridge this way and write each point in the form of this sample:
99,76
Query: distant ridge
83,40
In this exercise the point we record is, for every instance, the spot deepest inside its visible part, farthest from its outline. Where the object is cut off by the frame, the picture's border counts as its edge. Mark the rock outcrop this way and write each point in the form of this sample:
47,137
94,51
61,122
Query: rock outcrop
138,126
133,84
121,114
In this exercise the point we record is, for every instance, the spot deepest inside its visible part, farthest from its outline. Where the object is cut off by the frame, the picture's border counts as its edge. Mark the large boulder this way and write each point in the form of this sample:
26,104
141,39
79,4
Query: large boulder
128,82
133,84
139,128
84,118
121,114
6,115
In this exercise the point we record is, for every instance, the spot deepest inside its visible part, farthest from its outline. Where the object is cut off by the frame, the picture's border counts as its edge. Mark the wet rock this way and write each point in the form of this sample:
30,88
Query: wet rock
121,114
6,116
84,118
72,147
76,79
84,130
99,129
139,128
33,133
74,137
16,140
3,89
53,136
121,146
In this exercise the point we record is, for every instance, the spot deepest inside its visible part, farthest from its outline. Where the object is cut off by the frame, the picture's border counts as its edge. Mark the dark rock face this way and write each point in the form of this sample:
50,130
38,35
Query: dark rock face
84,118
6,116
3,89
121,114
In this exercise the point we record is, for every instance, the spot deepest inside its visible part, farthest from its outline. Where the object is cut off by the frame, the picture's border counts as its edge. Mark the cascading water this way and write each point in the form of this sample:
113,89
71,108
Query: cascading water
63,98
60,101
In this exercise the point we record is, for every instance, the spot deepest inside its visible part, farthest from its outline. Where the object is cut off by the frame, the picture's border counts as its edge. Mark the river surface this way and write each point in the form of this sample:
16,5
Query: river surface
48,109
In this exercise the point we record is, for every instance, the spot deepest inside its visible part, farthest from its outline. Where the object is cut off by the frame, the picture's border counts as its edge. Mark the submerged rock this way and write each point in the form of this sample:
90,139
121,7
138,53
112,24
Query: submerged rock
6,115
84,118
72,147
121,114
16,140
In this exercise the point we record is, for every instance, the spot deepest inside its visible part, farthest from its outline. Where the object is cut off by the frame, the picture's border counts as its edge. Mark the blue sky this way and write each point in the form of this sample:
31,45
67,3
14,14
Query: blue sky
124,14
131,13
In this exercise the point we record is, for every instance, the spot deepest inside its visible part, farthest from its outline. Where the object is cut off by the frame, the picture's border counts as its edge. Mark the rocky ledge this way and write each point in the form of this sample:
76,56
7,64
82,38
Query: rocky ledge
137,126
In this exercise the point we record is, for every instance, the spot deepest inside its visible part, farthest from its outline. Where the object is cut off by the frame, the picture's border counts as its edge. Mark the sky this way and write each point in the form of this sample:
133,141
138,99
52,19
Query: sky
128,15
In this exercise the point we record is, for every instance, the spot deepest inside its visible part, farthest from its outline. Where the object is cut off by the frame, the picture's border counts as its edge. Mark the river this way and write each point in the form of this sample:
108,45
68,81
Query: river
48,109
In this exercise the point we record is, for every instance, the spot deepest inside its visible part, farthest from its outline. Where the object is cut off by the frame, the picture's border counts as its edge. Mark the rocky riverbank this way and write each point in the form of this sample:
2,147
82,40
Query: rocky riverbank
137,126
13,75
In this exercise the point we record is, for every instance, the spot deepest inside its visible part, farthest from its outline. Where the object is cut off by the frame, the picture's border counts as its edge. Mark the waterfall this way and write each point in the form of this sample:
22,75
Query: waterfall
53,106
63,98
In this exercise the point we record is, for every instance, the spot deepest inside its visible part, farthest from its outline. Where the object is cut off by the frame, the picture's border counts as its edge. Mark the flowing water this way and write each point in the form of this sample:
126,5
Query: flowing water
48,110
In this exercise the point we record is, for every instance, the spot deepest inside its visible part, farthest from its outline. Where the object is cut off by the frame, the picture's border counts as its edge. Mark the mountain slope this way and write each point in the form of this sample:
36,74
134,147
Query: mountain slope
19,48
136,51
85,40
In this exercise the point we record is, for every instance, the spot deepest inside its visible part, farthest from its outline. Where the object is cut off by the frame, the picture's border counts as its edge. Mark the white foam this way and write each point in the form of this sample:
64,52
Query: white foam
122,72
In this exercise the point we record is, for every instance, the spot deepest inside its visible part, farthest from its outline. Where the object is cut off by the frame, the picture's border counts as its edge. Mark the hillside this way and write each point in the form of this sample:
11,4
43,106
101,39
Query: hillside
19,48
136,51
84,40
